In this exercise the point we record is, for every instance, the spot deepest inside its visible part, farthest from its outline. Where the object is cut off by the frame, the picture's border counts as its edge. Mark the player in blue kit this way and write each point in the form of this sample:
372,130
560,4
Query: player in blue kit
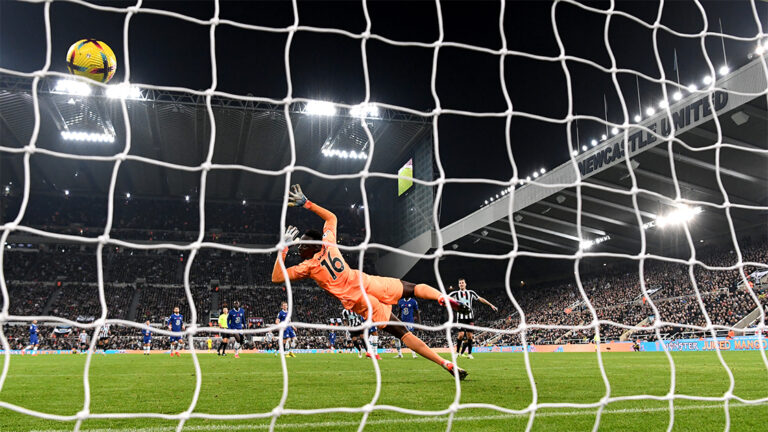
176,323
146,338
409,308
34,343
235,320
332,339
289,335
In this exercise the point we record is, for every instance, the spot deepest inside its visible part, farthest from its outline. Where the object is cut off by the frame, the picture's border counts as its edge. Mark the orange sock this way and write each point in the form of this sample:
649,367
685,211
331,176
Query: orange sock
411,341
425,291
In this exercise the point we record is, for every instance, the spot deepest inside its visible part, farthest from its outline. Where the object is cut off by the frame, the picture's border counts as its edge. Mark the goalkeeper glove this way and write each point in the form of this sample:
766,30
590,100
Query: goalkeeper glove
296,197
291,233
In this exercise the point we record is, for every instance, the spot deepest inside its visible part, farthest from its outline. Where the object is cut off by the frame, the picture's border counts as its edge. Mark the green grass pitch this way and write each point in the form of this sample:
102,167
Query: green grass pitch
253,383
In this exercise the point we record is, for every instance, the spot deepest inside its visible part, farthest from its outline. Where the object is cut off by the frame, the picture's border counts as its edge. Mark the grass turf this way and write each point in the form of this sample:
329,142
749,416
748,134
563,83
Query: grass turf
253,384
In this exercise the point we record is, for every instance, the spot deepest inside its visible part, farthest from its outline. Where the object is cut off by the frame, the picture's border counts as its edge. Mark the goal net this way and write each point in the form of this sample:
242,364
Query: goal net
644,157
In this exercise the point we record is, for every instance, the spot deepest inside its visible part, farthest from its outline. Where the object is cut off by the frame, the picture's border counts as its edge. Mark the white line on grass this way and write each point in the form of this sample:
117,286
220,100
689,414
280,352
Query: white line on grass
437,419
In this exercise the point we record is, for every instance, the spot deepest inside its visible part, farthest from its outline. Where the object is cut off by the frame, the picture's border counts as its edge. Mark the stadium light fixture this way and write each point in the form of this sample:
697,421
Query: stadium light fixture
663,104
486,202
593,142
650,111
575,152
128,195
7,190
724,69
364,110
677,217
243,202
615,131
638,117
186,198
584,148
759,50
72,87
677,95
66,192
707,80
88,137
320,108
603,137
122,91
543,170
535,174
491,199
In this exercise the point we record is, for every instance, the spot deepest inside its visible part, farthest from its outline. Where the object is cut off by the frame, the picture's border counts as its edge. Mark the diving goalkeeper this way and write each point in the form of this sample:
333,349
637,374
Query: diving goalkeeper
326,266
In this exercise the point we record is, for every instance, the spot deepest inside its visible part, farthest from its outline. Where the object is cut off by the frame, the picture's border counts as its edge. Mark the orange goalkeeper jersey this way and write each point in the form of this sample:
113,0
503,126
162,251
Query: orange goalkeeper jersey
327,267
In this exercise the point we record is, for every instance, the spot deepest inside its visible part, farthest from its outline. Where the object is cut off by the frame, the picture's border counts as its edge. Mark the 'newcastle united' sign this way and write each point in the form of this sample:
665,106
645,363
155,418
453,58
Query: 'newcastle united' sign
683,117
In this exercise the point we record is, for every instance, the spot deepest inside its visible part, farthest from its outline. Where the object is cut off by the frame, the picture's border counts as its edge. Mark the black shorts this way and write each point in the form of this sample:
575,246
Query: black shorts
238,337
465,321
355,334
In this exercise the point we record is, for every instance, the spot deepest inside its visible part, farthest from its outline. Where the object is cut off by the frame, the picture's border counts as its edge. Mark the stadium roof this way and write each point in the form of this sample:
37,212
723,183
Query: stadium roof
173,127
545,217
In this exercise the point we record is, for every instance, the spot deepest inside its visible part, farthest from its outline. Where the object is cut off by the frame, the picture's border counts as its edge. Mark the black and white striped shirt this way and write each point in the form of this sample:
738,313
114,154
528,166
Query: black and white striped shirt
351,318
466,297
104,331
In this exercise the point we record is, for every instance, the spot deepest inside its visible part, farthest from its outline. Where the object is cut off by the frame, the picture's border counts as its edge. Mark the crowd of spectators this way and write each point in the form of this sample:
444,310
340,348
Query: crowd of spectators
61,279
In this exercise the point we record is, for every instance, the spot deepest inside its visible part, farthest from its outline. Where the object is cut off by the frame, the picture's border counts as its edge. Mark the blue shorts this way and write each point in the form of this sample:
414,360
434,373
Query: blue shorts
33,340
332,341
175,338
289,333
147,340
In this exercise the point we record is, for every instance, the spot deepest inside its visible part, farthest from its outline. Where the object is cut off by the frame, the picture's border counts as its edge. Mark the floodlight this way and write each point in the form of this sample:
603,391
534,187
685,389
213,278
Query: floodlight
594,143
543,170
88,136
650,111
72,87
243,202
603,137
584,148
535,174
575,152
66,192
677,95
122,91
615,131
707,80
364,110
724,69
759,50
528,178
663,104
320,108
638,118
486,201
128,195
186,198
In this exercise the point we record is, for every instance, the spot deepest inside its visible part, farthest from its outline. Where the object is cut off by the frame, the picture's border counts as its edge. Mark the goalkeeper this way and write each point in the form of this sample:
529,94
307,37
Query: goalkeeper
326,266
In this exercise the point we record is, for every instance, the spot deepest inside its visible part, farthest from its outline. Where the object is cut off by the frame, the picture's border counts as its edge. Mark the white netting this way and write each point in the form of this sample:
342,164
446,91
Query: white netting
203,169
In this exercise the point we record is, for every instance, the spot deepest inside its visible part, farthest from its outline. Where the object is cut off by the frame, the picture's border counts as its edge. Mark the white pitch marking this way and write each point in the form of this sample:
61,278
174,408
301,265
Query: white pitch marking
439,419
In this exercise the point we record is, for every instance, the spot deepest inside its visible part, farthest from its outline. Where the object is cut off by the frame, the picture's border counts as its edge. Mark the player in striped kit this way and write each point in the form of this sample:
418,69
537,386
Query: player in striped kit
351,319
103,342
467,298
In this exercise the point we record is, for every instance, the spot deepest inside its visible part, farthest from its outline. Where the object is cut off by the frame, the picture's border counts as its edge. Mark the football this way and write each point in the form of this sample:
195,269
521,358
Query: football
92,59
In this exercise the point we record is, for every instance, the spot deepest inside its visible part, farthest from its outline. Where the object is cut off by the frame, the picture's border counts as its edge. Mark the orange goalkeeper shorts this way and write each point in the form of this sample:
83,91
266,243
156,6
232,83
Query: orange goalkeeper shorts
383,292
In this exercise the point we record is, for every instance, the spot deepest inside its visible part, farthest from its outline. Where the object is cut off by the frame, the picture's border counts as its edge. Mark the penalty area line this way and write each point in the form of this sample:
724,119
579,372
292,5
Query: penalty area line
412,419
